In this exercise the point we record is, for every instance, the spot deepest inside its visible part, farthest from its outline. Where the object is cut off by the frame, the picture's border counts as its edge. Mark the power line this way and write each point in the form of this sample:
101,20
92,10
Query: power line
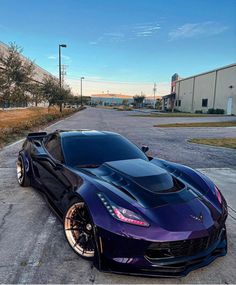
111,81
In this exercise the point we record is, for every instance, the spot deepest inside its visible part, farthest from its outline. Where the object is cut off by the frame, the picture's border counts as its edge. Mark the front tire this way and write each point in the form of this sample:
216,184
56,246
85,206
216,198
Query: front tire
22,177
79,231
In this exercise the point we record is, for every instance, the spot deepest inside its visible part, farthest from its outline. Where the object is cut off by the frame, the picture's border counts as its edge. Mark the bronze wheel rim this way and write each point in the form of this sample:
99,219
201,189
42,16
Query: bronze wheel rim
20,170
79,230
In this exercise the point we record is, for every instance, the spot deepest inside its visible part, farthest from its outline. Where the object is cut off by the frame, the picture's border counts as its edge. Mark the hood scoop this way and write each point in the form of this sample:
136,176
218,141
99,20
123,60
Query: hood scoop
149,184
136,167
145,174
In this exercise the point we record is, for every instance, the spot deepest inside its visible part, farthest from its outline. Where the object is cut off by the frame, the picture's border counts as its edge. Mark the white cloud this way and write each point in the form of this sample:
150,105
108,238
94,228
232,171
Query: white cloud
146,30
195,30
127,33
66,57
97,41
108,37
56,57
114,35
52,57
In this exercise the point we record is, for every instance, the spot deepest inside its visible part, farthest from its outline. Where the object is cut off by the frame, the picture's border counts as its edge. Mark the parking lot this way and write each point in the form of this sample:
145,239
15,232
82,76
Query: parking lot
32,244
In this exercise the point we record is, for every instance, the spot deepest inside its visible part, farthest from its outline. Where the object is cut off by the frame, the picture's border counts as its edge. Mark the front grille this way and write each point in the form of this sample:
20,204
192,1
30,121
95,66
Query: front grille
187,247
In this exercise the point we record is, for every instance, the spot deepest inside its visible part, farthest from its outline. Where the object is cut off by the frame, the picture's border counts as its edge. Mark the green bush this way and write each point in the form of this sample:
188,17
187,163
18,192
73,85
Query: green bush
177,111
215,111
198,112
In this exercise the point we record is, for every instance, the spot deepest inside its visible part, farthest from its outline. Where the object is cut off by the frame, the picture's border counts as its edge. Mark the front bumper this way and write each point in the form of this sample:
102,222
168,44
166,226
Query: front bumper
125,255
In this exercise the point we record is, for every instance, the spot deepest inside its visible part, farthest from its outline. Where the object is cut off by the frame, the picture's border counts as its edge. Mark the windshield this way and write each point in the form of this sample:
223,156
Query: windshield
92,151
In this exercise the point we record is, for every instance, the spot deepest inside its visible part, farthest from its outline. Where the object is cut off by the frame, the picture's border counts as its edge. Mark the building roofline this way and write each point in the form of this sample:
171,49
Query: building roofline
120,96
169,95
210,71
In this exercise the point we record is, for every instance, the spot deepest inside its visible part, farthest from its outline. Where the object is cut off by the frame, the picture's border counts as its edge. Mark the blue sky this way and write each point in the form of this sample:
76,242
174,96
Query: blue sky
123,45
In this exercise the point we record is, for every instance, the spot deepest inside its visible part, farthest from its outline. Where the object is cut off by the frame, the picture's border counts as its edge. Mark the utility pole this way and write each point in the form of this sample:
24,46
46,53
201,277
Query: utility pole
81,90
63,73
60,46
154,93
59,57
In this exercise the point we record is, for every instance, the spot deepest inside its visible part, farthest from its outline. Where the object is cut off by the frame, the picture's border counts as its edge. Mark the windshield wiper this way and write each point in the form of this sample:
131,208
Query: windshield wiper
87,165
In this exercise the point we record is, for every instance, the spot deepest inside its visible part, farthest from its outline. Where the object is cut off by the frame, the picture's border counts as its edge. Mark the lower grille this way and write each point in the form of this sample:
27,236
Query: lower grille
181,248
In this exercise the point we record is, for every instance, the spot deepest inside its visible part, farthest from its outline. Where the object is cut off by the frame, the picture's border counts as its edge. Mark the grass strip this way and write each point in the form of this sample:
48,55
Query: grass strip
16,124
175,115
198,125
219,142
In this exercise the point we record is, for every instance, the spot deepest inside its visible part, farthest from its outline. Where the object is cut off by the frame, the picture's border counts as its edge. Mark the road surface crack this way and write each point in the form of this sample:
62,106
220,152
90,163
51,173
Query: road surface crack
3,221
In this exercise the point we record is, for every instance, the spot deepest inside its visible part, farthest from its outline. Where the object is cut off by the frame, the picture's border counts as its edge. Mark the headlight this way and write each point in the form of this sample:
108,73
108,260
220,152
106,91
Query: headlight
218,195
122,214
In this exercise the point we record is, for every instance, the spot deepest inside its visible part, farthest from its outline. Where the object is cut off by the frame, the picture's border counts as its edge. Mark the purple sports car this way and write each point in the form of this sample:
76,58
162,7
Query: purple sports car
126,211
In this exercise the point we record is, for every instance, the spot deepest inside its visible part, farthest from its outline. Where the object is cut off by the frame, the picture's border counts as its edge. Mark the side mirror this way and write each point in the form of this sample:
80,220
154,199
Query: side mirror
145,148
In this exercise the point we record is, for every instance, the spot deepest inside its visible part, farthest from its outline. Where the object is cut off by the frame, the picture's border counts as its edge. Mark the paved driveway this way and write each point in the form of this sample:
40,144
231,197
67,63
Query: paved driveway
169,143
32,245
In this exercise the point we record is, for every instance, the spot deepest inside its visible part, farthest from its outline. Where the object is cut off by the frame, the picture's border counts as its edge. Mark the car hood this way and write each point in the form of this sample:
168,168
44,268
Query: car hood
136,184
148,184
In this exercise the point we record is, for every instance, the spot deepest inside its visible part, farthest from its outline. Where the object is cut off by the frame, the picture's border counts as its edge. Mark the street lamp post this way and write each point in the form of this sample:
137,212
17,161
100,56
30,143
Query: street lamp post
154,93
60,46
81,89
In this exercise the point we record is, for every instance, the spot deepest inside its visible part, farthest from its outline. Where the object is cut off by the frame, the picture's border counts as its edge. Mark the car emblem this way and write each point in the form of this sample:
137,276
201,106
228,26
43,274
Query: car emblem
198,218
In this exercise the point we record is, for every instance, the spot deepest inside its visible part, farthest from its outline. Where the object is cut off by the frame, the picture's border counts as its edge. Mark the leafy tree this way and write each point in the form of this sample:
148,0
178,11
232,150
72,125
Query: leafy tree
50,89
15,76
52,92
37,94
125,102
138,100
86,99
158,104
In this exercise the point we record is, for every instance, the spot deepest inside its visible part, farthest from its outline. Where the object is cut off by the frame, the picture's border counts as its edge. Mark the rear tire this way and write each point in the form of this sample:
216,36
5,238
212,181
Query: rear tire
22,176
78,229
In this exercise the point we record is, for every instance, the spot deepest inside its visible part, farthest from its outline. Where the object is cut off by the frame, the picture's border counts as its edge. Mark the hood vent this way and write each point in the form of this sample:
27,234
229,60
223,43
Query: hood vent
148,184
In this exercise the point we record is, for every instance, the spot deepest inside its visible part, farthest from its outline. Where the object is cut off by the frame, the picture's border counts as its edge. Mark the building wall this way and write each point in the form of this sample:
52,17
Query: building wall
185,91
203,89
109,100
214,86
225,79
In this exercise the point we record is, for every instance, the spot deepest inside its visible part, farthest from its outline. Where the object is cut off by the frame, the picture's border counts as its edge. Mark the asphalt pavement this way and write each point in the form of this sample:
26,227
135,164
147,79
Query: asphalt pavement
33,248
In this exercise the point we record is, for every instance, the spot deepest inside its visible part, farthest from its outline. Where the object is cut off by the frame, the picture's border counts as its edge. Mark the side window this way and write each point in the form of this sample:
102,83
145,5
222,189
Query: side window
53,146
178,103
204,102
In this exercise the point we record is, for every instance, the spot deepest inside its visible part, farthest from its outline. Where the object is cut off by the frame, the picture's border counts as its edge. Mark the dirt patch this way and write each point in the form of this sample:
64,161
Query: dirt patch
15,124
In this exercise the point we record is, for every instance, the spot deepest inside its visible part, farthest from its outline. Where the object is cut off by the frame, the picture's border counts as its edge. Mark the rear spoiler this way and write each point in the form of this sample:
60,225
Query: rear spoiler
38,135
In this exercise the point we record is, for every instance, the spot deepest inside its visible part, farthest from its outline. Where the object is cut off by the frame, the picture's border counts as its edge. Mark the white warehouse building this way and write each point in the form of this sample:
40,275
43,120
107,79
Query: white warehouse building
215,89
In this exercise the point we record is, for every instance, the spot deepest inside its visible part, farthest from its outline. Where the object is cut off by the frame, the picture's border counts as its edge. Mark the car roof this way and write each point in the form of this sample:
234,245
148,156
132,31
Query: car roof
84,132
